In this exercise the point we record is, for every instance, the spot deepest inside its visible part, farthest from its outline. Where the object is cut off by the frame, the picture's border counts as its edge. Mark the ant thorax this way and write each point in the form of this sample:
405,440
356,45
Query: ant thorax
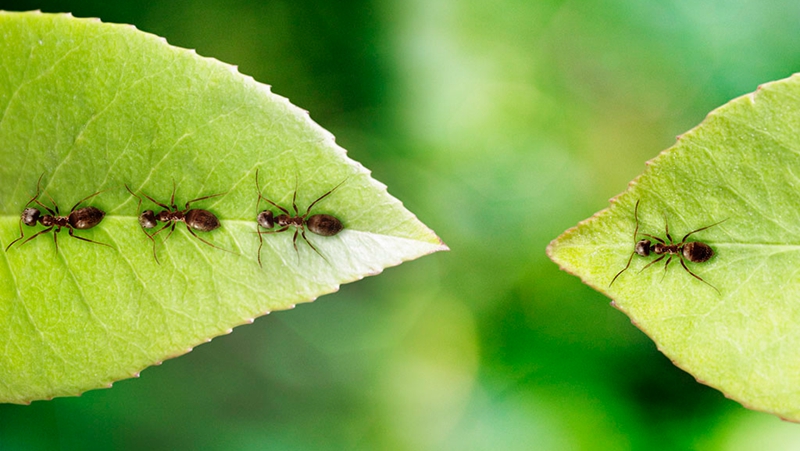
169,216
286,220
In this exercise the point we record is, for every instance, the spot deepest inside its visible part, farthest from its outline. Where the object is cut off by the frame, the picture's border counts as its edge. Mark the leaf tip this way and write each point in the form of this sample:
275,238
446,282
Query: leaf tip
551,247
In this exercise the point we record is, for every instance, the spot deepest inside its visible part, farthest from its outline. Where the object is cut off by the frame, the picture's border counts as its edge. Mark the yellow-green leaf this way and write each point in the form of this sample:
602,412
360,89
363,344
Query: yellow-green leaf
92,107
740,166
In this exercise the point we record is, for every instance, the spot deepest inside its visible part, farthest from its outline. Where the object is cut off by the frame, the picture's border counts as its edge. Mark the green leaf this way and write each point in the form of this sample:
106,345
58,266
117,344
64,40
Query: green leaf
741,165
94,107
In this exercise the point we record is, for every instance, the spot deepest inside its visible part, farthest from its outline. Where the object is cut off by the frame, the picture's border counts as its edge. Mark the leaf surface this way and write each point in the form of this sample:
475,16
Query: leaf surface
92,107
740,166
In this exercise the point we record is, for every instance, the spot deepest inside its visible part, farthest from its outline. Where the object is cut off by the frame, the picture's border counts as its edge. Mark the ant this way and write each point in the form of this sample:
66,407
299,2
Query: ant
694,251
81,219
195,219
321,224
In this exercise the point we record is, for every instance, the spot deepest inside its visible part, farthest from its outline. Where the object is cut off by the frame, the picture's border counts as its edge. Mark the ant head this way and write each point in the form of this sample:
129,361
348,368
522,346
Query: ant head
266,220
147,219
643,248
30,216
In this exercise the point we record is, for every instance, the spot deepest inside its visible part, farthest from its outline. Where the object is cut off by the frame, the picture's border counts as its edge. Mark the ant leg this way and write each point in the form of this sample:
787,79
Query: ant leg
53,213
258,188
204,198
21,235
666,265
85,239
635,230
269,232
166,207
698,277
38,187
154,240
89,197
303,233
655,238
38,191
260,244
206,242
623,269
155,256
653,262
32,199
702,228
274,204
138,207
294,202
37,234
258,203
171,229
261,241
152,237
308,210
294,241
666,228
635,217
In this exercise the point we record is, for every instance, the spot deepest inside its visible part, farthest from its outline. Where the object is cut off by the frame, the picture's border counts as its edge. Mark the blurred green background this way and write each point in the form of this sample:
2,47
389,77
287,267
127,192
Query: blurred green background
500,123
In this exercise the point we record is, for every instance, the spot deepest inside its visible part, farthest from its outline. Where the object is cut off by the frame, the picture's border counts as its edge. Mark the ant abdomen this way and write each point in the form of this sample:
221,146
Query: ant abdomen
86,217
697,252
325,225
201,220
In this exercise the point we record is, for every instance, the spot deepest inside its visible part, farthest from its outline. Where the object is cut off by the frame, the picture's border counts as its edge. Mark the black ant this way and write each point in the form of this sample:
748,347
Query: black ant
324,225
694,251
81,219
195,219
